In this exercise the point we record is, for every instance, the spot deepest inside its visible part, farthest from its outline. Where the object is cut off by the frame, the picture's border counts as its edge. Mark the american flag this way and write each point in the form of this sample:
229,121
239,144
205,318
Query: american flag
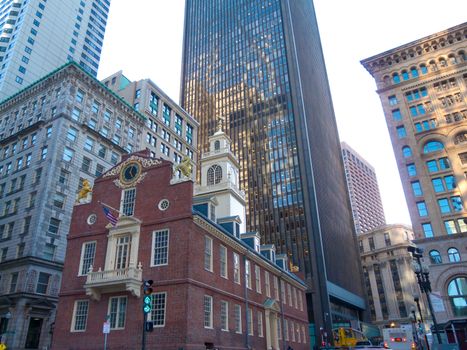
108,214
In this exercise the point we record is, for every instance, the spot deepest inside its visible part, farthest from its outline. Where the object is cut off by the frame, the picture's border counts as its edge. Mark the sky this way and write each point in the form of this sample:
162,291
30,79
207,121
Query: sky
144,40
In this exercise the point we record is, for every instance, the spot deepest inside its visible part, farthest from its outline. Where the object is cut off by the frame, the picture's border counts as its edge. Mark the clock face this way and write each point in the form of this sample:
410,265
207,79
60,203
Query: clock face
130,172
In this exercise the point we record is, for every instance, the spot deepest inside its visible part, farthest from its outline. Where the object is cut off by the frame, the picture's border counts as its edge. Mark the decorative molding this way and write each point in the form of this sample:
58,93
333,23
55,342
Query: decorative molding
121,185
145,162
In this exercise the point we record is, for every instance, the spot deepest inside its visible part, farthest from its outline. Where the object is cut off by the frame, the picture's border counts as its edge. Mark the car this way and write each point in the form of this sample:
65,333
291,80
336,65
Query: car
363,343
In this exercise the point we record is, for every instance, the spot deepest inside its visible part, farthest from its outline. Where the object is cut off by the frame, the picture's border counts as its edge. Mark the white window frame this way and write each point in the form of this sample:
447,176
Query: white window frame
208,254
258,278
151,314
260,324
81,260
250,322
124,202
267,284
289,292
276,288
292,330
118,312
300,300
248,273
208,311
236,259
238,318
223,262
153,247
224,313
286,329
73,320
295,299
283,293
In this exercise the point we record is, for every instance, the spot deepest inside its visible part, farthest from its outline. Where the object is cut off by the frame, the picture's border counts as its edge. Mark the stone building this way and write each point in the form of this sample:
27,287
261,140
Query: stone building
58,132
390,282
215,285
423,88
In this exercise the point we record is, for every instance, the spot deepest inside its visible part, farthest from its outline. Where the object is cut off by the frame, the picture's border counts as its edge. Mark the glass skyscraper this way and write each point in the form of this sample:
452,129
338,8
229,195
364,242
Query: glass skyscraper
258,67
38,36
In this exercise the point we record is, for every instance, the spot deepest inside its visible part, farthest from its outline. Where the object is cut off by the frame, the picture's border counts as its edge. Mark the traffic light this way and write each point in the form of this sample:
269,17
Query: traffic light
147,296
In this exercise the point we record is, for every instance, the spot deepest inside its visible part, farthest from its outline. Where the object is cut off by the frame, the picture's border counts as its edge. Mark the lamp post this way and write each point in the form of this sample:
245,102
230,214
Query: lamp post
422,272
414,326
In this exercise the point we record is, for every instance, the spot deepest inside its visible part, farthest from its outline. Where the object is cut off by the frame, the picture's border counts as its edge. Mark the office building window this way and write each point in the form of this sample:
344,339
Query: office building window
43,283
427,230
435,257
422,209
453,255
457,292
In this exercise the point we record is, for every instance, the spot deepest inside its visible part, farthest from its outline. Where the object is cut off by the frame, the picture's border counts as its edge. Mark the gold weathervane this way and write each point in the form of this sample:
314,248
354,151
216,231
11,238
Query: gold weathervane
185,167
83,193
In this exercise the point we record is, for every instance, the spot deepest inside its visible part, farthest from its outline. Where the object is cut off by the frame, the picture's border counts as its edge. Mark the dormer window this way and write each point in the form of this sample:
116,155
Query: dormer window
127,207
217,145
212,212
214,175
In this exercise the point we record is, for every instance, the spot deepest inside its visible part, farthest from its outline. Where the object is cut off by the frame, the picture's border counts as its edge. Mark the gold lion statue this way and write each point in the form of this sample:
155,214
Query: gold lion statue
185,167
83,193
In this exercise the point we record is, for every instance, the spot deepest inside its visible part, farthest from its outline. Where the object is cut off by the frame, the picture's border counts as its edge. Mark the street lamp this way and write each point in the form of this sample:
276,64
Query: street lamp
414,326
422,272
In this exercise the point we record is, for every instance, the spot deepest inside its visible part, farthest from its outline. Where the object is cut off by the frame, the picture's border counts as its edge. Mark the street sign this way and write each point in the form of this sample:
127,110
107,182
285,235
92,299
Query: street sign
106,327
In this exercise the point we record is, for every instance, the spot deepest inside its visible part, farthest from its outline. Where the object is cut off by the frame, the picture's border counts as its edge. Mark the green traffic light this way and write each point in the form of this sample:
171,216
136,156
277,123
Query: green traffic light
147,299
146,309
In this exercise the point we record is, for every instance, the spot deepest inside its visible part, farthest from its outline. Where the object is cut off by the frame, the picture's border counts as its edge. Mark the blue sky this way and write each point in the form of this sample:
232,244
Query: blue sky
145,41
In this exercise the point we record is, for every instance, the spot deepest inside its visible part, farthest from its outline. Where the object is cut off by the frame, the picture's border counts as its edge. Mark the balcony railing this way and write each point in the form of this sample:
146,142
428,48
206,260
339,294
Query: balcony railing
108,281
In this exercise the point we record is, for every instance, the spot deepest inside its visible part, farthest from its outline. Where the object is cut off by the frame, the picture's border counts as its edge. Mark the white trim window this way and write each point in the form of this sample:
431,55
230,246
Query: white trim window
160,248
250,322
122,252
283,296
286,329
300,300
88,253
303,334
223,261
80,316
127,207
279,329
207,311
295,299
276,288
267,284
208,253
238,318
248,274
258,278
260,324
297,329
292,326
159,301
236,259
224,315
289,292
117,312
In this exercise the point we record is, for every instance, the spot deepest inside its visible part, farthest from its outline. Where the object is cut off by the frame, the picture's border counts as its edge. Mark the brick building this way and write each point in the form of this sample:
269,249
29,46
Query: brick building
215,285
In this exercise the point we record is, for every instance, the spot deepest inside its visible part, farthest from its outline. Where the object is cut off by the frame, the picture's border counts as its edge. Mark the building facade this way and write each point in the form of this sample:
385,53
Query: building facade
389,279
215,286
38,36
171,130
62,130
423,87
365,197
259,67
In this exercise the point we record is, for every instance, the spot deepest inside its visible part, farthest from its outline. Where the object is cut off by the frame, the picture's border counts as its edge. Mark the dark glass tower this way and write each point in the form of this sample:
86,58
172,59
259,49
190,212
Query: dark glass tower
259,66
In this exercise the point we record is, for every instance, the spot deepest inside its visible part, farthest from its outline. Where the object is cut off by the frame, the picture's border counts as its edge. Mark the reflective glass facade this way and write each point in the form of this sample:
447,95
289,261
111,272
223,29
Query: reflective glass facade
241,65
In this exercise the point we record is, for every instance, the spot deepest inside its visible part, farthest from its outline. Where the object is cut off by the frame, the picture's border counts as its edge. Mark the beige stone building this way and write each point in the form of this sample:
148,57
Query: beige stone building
423,89
389,280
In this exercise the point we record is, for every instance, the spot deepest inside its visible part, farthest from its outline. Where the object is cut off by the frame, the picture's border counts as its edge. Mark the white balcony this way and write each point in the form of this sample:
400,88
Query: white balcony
109,281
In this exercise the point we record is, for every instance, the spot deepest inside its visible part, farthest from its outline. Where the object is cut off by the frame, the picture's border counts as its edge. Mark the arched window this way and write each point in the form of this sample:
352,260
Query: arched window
452,59
414,72
214,175
405,75
457,292
442,62
462,55
217,145
433,146
435,257
396,79
423,69
453,255
406,152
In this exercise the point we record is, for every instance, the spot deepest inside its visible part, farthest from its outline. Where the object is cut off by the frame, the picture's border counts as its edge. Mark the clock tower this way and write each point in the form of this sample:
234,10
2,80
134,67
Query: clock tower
219,195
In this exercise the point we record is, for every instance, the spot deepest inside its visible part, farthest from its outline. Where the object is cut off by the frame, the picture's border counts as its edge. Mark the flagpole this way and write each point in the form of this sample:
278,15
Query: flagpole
108,206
